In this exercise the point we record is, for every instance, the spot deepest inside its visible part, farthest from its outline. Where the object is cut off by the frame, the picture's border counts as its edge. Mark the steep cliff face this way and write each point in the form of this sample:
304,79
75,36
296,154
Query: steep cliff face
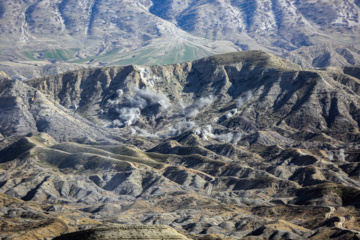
235,146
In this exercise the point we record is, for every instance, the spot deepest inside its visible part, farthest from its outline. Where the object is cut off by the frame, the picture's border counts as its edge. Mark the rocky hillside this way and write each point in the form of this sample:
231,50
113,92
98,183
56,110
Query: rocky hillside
98,32
235,146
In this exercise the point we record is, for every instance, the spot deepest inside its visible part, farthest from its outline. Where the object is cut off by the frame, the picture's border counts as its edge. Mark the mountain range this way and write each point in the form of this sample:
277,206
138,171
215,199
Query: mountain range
36,34
208,119
242,145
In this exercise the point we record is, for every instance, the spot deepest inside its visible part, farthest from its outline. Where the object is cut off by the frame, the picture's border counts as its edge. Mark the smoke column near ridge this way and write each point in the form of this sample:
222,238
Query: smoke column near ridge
126,110
194,109
206,132
243,99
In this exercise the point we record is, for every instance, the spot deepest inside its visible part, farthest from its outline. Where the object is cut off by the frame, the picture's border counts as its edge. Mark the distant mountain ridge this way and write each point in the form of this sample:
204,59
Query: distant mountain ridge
99,32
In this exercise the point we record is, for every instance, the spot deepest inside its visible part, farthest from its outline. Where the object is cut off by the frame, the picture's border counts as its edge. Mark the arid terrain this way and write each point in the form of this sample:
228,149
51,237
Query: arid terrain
243,145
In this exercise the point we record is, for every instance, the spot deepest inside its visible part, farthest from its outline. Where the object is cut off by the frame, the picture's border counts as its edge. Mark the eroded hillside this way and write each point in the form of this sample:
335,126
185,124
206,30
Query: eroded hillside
242,145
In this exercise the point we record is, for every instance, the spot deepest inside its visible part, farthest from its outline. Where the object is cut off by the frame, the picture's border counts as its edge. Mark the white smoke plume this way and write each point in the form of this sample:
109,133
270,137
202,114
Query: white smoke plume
341,155
227,116
331,155
336,155
127,116
206,132
233,138
146,76
243,99
193,110
127,109
181,127
177,129
144,72
230,114
141,132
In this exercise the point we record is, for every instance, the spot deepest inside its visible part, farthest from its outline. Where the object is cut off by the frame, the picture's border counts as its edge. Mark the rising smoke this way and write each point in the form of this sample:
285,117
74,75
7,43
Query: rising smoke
146,76
141,132
239,103
336,155
243,99
193,110
230,137
189,111
231,113
206,132
126,110
341,155
330,154
181,127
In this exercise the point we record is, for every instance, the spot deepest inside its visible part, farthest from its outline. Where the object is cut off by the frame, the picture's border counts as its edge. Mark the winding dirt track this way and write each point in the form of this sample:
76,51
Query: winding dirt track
332,210
340,224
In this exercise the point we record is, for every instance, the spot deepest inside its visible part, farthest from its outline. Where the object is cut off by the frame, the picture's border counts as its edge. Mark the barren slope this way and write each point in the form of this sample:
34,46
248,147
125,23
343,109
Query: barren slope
241,145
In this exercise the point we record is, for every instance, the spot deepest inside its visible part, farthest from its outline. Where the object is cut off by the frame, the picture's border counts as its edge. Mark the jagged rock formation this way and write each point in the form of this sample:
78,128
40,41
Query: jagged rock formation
234,146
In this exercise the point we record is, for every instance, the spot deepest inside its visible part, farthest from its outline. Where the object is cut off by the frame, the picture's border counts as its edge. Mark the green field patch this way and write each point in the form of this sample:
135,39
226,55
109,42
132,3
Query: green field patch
169,54
174,54
53,54
30,55
106,57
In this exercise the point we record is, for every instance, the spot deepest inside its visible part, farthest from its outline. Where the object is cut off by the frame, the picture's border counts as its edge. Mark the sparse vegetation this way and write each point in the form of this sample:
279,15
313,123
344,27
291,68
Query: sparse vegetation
55,54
